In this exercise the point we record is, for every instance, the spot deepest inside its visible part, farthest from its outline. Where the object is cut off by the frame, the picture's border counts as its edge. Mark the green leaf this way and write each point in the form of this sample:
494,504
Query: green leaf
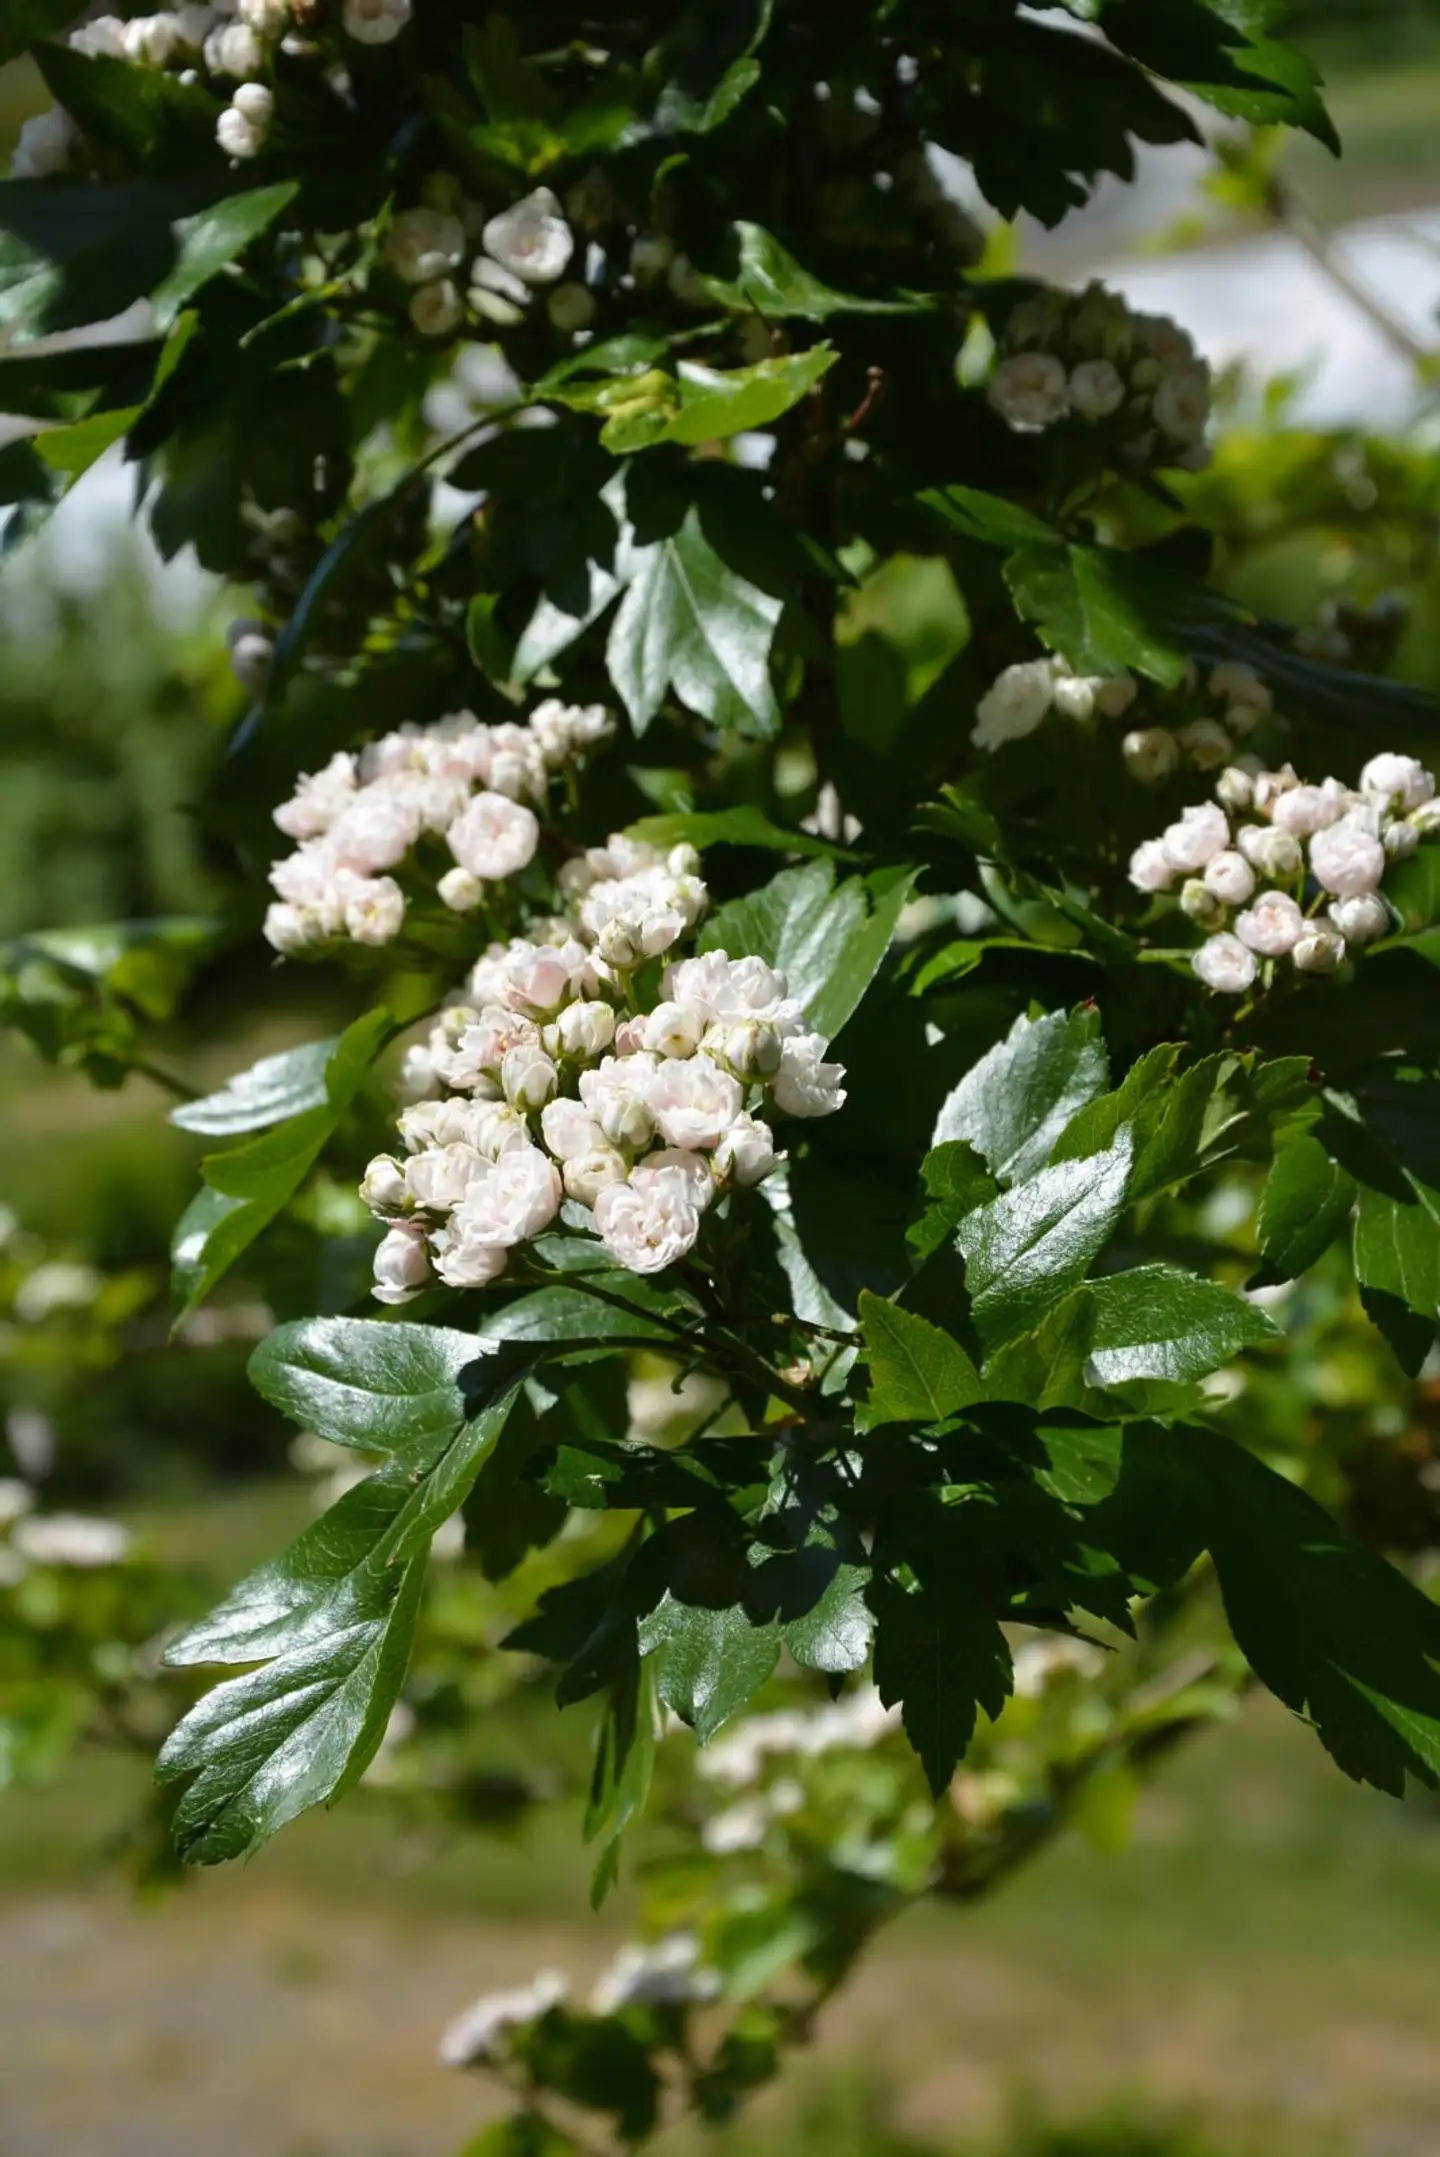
25,22
1337,1633
72,450
524,2134
1158,1323
918,1374
939,1653
709,1662
211,239
989,518
382,1387
331,1622
956,1182
1397,1262
690,621
1105,611
570,1314
743,826
72,253
1014,1103
1173,1123
827,939
152,123
248,1184
272,1089
1305,1203
698,404
770,282
1024,1249
834,1634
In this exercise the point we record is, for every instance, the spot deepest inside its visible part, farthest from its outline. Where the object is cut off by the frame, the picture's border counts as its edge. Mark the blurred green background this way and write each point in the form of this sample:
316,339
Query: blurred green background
1253,1976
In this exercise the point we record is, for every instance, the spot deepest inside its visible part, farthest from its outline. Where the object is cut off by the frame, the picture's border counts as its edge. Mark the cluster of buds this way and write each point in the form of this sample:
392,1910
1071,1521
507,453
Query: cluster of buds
1205,716
1087,357
668,1972
1025,694
459,261
224,43
463,787
1208,716
549,1082
1299,867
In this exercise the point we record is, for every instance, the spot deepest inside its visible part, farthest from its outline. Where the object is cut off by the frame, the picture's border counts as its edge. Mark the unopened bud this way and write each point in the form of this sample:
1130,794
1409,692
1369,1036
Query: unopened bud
383,1187
626,1121
1200,904
1234,789
528,1077
590,1173
585,1029
748,1047
1150,754
1319,950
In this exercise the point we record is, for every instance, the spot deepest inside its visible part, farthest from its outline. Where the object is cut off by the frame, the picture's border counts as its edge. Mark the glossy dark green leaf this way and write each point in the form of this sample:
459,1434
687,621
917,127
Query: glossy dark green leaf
956,1181
989,517
1397,1262
918,1373
941,1655
1105,611
1306,1202
1014,1103
709,1663
210,240
828,939
1159,1323
331,1622
691,623
268,1092
384,1387
1336,1632
248,1184
1024,1249
834,1634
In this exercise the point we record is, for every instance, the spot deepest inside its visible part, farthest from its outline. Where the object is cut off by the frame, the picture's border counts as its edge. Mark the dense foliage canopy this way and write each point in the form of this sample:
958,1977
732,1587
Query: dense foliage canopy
870,944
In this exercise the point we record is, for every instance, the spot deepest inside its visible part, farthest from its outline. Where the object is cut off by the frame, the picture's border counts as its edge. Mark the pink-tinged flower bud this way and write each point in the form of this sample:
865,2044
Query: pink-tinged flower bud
1347,859
1363,920
746,1154
1319,951
1230,877
588,1174
1273,925
1402,781
1269,852
1150,868
1224,964
673,1030
402,1264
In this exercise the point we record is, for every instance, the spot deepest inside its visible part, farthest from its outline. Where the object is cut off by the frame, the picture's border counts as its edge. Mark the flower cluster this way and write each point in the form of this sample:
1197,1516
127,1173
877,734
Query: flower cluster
456,258
547,1082
1023,695
74,1541
1300,866
463,786
667,1973
225,42
1207,715
1086,356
